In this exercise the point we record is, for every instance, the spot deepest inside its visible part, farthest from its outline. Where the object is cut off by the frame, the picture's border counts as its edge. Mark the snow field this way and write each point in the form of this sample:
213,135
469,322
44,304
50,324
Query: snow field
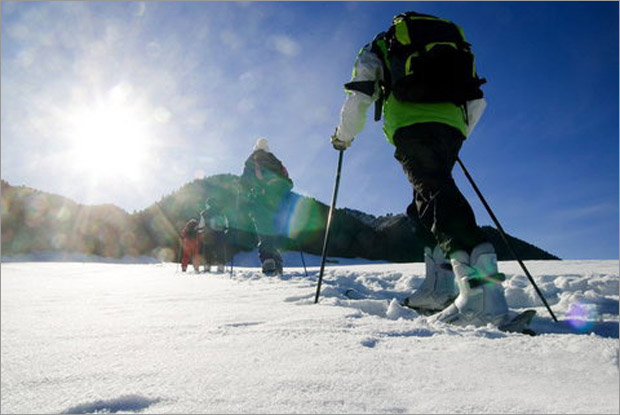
92,337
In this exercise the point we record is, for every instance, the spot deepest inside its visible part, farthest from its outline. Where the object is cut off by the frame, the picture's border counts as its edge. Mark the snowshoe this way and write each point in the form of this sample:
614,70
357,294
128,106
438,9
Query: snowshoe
518,323
424,311
481,298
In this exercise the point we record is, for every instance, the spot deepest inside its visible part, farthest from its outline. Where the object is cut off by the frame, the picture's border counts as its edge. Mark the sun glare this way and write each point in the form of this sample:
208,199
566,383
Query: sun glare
109,142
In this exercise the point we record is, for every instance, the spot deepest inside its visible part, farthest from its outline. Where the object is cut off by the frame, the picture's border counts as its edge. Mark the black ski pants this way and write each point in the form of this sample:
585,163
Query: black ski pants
439,211
214,247
265,213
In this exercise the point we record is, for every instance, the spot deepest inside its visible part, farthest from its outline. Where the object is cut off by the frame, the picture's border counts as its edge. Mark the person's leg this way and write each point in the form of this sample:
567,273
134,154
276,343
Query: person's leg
268,253
422,232
195,254
207,249
220,251
427,153
427,165
185,257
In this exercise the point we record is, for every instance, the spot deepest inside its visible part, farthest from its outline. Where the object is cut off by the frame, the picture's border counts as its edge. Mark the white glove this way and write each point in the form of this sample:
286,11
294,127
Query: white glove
339,144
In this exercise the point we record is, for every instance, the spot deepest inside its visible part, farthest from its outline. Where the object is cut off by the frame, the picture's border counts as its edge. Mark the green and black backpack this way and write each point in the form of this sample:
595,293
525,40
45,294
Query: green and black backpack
428,60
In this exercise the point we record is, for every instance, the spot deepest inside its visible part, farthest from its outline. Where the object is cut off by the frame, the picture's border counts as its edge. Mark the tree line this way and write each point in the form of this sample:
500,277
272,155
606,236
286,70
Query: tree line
34,221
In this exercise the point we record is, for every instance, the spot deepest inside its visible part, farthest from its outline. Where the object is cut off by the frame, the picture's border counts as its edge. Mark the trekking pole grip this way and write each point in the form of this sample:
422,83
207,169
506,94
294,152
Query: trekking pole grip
328,225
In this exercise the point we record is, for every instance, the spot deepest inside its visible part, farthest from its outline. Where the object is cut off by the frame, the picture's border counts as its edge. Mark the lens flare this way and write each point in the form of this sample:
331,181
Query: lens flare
582,316
299,217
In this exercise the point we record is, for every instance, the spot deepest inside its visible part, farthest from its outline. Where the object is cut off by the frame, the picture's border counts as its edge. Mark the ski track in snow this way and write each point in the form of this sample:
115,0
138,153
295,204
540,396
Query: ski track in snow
145,338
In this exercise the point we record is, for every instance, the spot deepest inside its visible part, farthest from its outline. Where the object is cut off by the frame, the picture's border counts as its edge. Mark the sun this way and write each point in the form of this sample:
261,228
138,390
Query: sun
109,142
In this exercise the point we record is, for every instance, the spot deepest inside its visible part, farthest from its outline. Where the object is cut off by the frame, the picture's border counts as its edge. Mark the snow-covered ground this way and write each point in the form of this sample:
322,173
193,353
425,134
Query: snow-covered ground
82,337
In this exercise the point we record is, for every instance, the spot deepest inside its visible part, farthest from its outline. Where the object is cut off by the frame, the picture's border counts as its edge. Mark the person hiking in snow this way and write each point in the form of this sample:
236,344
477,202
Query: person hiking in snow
213,227
190,245
421,75
267,184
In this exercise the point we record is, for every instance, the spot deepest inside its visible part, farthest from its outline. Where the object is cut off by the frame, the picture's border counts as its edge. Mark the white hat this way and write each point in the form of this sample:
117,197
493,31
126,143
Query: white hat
261,144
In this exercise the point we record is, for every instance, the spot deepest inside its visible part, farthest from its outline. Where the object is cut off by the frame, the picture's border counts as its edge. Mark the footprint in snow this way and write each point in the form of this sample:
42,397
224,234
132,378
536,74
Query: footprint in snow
244,324
370,343
123,403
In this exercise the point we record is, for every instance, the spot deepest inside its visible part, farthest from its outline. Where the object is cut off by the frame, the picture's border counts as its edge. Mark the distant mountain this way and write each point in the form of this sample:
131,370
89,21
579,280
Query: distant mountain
365,218
397,228
37,221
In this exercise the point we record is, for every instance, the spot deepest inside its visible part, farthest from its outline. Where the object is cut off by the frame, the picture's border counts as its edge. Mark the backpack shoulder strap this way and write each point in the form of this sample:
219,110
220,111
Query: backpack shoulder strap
380,46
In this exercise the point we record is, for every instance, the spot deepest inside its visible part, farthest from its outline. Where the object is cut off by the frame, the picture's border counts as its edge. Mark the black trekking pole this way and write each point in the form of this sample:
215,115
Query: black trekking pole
303,261
232,257
225,255
505,238
232,254
204,257
179,255
329,221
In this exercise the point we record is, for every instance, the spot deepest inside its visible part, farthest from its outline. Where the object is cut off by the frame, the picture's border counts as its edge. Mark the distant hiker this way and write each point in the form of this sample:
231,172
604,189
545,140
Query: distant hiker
190,243
421,75
267,184
213,226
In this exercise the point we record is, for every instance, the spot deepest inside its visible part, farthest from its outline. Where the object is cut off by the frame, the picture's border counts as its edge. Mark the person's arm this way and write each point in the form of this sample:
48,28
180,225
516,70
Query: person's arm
202,223
258,173
248,177
362,91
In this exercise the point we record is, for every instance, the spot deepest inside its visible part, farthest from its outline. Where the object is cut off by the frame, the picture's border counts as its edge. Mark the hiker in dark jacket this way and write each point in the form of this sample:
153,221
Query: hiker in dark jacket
267,184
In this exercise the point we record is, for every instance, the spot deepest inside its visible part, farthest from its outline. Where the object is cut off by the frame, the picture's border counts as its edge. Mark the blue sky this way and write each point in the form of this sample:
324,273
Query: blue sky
124,102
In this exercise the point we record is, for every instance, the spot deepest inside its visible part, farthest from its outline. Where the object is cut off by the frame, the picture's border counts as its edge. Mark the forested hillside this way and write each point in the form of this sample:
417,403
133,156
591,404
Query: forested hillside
37,221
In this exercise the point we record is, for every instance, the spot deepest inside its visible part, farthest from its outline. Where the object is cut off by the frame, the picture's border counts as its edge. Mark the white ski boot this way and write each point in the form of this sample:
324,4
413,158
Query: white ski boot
481,297
438,289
